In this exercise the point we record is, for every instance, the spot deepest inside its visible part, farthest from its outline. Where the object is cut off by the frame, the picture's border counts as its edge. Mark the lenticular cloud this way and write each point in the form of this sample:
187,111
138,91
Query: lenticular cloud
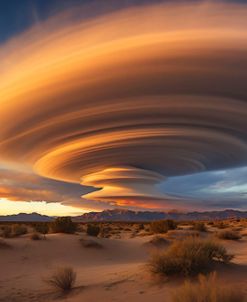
122,101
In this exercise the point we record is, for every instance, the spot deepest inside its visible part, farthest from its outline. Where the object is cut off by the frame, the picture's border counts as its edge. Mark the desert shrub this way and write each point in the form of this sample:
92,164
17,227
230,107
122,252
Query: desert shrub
128,229
35,236
158,241
188,257
207,290
238,228
93,230
228,235
141,227
220,224
90,244
5,231
182,234
63,225
81,227
18,230
63,279
42,228
105,232
162,226
199,226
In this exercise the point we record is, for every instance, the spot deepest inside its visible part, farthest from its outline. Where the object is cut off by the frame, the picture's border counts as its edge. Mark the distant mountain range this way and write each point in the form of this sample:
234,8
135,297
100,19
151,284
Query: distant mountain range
127,215
33,217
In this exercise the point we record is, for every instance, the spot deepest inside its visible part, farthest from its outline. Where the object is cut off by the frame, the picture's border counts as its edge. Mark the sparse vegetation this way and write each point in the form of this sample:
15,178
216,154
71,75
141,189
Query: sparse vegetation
63,225
90,244
158,241
5,231
35,236
141,227
42,228
199,226
93,230
207,290
18,230
220,224
188,257
162,226
228,235
63,279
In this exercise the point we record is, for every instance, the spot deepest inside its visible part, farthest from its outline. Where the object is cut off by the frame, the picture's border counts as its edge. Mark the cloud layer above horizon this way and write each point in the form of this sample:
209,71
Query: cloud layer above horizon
123,102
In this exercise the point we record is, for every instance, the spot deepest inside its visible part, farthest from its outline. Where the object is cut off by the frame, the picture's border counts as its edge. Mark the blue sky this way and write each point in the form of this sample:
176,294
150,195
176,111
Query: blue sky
18,15
214,189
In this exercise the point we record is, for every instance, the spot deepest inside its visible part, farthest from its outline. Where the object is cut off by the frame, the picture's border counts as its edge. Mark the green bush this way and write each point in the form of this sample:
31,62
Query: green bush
188,257
207,290
93,230
162,226
63,225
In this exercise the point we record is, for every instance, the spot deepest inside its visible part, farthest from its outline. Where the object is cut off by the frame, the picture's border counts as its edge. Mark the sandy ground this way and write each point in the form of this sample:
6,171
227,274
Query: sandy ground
117,272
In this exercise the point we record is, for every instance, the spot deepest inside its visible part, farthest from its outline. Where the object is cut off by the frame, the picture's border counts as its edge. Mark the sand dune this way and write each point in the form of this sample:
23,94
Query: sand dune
116,272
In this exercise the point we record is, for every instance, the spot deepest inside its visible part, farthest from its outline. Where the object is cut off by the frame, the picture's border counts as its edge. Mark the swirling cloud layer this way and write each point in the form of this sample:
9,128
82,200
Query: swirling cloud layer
122,101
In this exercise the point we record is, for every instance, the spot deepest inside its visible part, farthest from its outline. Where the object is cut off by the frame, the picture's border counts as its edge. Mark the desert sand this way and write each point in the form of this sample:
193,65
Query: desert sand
116,272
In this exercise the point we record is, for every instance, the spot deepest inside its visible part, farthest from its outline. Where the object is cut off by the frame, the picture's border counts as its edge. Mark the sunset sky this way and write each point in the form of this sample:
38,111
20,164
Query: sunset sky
132,104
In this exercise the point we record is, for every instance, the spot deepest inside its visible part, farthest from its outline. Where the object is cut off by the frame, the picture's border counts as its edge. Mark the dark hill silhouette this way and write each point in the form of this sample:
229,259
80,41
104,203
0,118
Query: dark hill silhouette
128,215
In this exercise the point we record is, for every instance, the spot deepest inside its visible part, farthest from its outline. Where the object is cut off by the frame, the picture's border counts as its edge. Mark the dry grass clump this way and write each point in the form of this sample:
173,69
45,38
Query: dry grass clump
18,230
162,226
141,227
182,234
63,225
158,241
199,226
228,235
106,232
5,231
90,244
93,230
42,228
207,290
190,256
63,279
220,224
237,228
35,236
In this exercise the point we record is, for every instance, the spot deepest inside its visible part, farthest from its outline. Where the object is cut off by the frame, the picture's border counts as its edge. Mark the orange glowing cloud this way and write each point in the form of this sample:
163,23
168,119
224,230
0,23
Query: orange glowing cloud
122,101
